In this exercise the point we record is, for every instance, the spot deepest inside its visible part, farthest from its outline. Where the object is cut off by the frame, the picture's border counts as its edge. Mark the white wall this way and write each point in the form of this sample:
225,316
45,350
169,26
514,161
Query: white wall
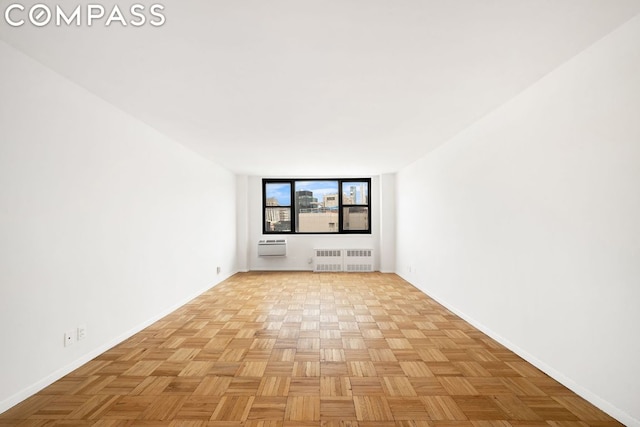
242,221
103,222
388,223
528,223
300,247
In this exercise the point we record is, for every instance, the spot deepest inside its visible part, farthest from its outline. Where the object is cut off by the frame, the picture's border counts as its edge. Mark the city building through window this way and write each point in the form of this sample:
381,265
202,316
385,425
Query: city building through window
316,206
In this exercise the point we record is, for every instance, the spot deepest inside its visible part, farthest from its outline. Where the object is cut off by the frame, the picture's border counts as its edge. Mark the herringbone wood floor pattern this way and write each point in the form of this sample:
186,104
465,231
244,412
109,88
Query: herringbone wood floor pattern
305,349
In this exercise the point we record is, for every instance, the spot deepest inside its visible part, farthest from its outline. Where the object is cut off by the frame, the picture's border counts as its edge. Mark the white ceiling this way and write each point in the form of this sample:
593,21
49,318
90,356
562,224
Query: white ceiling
320,87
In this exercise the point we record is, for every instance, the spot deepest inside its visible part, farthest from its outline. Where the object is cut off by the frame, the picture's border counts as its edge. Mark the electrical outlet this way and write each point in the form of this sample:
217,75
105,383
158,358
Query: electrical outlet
69,338
82,332
218,270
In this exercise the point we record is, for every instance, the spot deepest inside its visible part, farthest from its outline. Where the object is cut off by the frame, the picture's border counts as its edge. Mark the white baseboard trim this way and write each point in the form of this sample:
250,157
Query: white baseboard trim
586,394
29,391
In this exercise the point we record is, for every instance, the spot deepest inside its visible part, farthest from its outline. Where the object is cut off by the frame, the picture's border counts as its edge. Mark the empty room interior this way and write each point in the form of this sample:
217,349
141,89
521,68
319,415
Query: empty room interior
320,213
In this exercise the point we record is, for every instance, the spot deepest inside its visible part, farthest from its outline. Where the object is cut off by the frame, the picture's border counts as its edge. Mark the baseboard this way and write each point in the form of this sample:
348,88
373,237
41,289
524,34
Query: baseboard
586,394
29,391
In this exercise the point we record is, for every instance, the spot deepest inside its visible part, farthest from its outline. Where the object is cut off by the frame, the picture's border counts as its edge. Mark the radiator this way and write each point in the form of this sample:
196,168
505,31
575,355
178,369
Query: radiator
272,247
328,260
349,260
358,260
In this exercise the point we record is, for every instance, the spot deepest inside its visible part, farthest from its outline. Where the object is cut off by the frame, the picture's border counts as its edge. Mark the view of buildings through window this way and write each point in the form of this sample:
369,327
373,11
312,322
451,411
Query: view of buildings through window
316,206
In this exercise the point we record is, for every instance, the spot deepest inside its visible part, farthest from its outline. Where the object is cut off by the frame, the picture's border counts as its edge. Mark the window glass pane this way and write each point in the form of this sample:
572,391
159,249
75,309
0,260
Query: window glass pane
316,206
278,194
277,219
355,218
355,193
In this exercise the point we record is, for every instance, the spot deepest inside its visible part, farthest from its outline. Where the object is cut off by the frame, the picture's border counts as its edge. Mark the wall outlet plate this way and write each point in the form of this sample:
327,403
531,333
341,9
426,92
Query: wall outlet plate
82,332
69,338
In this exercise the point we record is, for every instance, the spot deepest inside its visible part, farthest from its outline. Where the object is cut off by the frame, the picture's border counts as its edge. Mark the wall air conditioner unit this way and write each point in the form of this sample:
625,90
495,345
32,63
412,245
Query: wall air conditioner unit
272,247
358,260
327,260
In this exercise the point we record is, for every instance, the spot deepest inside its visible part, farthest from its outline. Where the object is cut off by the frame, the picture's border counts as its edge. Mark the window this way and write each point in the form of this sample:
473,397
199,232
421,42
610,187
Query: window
277,207
355,205
325,206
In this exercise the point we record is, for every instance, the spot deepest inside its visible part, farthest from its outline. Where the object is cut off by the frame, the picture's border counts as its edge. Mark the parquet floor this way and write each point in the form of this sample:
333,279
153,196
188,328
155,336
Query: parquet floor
305,349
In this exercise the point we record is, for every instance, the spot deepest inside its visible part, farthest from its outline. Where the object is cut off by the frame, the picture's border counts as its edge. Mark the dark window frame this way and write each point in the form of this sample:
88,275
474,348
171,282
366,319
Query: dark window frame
293,215
290,206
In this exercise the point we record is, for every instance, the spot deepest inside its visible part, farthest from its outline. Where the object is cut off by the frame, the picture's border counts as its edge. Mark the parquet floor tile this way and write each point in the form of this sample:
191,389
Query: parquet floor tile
302,349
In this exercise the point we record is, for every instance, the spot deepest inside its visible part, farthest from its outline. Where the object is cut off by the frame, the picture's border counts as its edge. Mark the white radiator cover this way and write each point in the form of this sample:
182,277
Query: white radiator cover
327,260
358,260
349,260
272,247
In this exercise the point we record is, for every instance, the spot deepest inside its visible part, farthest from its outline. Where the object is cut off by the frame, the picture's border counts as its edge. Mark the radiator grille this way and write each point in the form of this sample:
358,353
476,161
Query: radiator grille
359,252
358,267
322,253
328,267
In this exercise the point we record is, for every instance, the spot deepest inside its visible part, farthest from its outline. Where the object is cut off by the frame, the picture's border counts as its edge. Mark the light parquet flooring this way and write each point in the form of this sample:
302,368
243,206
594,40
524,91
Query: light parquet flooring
305,349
